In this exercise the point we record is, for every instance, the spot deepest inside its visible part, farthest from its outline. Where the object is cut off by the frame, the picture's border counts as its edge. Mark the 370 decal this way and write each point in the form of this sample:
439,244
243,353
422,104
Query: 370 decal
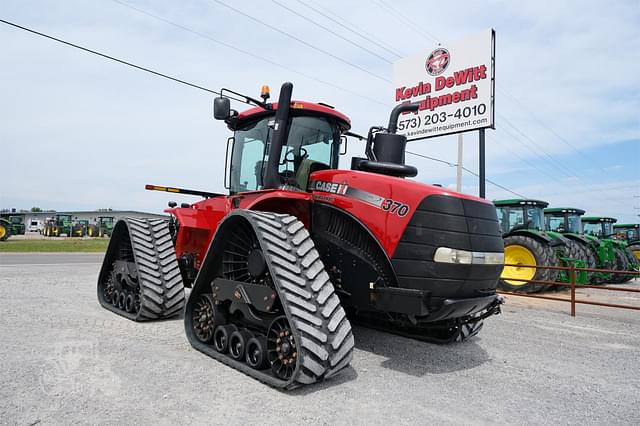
441,117
395,207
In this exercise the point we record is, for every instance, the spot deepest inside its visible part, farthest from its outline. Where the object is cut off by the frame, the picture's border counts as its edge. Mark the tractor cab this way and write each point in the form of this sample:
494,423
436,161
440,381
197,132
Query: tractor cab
278,145
565,220
520,214
63,220
597,226
627,231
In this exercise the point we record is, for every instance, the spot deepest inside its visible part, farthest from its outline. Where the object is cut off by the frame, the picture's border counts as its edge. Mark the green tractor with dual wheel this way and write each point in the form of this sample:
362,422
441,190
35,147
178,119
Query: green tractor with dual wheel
597,254
79,228
630,233
619,257
102,228
528,244
58,225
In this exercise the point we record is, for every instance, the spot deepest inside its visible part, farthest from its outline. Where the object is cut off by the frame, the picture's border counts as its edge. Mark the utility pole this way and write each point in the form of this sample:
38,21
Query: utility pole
459,165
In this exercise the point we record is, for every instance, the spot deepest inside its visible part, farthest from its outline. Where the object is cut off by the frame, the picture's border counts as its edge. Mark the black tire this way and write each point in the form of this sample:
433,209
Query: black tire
161,291
544,256
582,251
633,253
622,264
238,344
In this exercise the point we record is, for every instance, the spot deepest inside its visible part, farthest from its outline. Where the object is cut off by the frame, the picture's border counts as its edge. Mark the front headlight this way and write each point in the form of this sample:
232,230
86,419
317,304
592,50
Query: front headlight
449,255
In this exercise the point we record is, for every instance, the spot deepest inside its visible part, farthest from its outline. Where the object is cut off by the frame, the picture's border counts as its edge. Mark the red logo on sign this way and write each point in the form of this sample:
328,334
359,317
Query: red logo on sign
438,61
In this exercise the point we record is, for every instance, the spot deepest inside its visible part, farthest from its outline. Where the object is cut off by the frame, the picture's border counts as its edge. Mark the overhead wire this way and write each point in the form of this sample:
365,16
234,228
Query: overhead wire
330,31
301,41
112,58
350,27
246,52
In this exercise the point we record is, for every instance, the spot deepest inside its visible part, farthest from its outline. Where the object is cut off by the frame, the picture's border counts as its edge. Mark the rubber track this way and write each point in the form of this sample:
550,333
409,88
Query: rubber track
162,290
321,329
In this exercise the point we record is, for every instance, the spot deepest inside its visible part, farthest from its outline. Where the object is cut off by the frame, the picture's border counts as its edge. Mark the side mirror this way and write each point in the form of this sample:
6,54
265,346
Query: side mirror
221,108
343,145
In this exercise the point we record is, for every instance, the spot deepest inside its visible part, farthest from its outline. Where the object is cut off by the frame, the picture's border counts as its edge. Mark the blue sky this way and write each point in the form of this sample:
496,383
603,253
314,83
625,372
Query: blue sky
82,132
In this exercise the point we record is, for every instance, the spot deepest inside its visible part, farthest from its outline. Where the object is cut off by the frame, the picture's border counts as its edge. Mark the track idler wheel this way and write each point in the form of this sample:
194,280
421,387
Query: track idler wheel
238,343
206,317
281,348
221,337
256,353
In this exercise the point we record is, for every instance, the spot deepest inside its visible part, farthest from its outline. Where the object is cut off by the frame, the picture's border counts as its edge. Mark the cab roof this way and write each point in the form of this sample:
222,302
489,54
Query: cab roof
298,108
561,210
593,219
517,202
627,225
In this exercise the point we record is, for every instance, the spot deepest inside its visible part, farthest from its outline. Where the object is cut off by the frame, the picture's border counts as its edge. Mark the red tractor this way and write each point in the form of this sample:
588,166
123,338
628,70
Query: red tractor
298,249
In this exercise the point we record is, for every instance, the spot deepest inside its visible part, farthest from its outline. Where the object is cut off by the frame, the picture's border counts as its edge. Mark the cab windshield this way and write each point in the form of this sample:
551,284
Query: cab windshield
310,140
574,223
598,229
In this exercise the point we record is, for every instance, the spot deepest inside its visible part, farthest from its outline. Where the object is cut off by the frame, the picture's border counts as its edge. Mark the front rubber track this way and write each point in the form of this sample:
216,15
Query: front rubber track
162,290
321,329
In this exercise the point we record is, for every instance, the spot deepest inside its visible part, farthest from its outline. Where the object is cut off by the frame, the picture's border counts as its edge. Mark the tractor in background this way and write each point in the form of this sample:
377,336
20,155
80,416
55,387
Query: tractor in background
17,225
596,253
58,225
102,228
79,228
5,229
629,232
528,242
618,255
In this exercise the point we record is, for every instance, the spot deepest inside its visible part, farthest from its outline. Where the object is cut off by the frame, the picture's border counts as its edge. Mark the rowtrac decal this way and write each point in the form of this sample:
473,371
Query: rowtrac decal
386,204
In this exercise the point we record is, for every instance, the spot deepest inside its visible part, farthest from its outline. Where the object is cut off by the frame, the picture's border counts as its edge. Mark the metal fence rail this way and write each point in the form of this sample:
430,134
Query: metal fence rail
572,270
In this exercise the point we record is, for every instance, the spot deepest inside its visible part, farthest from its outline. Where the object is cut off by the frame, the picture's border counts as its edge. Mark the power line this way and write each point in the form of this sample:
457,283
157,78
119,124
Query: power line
405,20
466,170
299,40
246,52
361,33
130,64
329,30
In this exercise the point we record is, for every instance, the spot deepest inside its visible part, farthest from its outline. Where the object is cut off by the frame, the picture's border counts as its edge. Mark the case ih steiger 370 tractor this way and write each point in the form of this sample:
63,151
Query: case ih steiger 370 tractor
297,246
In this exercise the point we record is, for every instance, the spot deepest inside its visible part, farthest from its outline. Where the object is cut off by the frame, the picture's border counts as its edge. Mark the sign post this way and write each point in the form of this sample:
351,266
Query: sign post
454,85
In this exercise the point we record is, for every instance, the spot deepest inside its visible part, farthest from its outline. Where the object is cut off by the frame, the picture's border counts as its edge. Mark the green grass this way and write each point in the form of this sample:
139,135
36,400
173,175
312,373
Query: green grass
52,246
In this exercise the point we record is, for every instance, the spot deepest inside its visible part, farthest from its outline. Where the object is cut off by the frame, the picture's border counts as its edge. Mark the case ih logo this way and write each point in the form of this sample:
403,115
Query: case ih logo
437,62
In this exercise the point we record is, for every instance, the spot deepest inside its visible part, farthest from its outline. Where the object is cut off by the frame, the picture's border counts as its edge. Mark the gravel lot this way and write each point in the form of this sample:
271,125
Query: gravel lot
65,360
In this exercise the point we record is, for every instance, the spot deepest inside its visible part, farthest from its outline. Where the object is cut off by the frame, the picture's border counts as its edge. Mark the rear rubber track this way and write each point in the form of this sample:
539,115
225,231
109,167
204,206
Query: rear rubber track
321,329
161,287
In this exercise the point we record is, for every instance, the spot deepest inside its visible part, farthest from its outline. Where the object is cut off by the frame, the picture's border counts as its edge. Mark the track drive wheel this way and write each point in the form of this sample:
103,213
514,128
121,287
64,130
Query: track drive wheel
527,251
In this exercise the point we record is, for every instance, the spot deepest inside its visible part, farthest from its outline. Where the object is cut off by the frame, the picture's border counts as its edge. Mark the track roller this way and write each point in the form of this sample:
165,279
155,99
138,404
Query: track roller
256,353
238,343
221,337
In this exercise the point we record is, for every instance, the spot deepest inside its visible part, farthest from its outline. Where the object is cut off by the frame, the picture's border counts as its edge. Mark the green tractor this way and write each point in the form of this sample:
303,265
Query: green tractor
527,242
630,232
79,229
12,226
58,225
618,255
595,253
102,228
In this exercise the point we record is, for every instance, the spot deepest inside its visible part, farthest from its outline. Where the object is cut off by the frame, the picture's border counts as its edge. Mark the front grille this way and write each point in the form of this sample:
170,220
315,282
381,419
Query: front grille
445,221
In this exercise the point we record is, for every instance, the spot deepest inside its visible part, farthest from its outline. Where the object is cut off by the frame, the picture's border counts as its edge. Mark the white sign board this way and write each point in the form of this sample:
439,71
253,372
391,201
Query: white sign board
454,85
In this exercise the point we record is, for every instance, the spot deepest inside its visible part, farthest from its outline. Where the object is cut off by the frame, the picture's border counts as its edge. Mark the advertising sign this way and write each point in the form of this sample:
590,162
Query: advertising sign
454,85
